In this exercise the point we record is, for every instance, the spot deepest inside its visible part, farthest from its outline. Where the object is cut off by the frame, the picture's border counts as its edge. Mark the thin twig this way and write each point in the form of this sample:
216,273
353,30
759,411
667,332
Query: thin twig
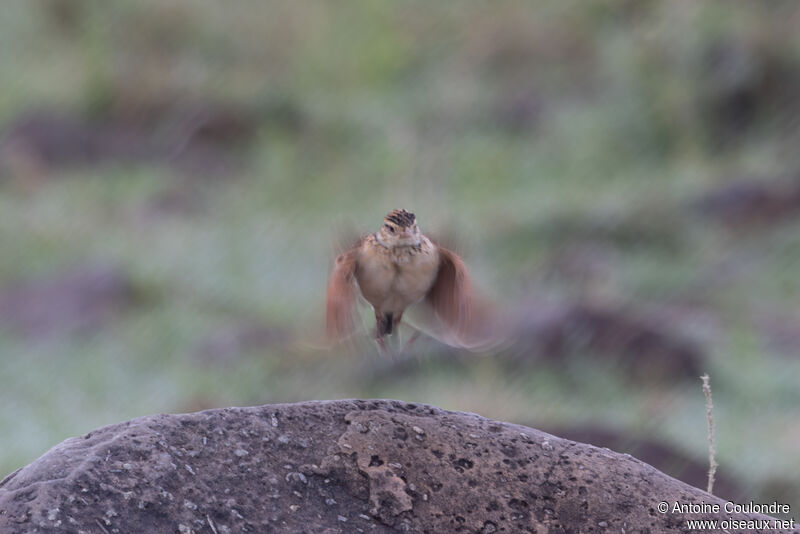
99,524
712,463
211,524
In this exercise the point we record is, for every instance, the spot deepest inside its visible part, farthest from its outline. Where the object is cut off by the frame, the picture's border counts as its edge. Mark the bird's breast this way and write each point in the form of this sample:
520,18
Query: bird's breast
393,279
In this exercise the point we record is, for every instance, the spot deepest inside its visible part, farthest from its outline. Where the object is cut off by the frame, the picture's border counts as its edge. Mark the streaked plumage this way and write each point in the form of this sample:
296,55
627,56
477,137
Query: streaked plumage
392,269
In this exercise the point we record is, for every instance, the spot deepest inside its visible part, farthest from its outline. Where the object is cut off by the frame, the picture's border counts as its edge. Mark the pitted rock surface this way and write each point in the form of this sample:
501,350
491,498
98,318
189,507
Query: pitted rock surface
337,467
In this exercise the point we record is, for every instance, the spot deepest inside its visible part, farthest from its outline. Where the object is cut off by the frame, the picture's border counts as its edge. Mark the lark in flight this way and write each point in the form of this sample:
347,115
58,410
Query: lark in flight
393,268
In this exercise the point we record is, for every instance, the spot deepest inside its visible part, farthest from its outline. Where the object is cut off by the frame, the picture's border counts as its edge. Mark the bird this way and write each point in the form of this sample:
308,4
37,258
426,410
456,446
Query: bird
393,269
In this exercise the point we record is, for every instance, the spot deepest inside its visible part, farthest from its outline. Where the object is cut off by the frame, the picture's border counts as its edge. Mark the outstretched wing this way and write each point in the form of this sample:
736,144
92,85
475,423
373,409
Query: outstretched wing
450,297
341,296
463,318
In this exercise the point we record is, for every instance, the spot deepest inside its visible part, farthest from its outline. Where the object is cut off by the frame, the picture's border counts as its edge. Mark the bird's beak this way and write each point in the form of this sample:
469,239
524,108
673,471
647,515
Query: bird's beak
407,233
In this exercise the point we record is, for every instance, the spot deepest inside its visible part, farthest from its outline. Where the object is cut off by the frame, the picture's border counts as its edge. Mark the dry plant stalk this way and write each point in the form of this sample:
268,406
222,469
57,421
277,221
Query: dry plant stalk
712,463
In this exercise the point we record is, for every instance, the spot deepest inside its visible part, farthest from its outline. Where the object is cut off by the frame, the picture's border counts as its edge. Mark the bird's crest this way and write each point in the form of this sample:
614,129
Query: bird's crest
402,218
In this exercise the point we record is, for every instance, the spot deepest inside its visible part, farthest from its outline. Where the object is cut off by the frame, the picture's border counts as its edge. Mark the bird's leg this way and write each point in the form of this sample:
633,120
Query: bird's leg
381,345
380,333
383,328
394,331
411,340
414,336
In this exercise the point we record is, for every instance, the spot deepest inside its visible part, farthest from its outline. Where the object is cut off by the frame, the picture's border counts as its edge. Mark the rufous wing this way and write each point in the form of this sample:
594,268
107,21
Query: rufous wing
340,297
450,296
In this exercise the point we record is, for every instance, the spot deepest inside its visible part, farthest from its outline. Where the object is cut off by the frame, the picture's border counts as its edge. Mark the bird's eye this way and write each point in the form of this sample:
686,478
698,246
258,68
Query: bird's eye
389,228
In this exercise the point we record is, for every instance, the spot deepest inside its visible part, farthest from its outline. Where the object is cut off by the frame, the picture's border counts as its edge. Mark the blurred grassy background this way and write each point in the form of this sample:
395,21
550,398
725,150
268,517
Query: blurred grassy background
174,175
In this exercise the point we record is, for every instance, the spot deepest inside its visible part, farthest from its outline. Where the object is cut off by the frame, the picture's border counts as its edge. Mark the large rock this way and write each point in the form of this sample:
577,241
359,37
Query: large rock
338,466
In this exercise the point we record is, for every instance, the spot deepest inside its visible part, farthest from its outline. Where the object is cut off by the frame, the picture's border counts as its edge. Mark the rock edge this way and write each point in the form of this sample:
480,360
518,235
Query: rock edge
339,466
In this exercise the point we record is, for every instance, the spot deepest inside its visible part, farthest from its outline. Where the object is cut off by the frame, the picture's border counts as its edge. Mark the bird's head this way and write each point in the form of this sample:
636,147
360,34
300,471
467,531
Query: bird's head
400,229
